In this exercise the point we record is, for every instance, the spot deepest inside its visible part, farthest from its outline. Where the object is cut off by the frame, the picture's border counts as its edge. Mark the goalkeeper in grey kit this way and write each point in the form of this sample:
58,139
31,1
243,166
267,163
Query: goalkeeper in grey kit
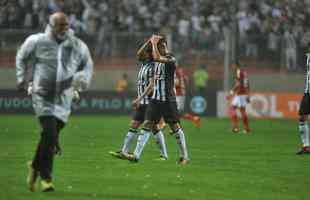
62,67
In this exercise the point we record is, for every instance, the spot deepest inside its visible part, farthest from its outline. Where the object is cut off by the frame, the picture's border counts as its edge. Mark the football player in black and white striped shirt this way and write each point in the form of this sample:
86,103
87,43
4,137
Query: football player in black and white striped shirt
163,100
304,111
144,87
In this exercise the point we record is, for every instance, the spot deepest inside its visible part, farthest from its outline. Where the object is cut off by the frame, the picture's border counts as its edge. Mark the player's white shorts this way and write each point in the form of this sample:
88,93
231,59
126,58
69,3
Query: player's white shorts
239,101
180,103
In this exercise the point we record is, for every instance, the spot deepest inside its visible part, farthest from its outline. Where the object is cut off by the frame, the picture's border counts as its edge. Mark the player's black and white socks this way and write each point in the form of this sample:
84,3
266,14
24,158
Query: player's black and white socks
141,142
128,139
160,140
304,133
179,135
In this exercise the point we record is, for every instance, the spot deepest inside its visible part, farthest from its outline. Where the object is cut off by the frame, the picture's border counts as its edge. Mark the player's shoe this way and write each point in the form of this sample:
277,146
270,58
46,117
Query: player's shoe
47,186
196,121
304,150
183,161
118,154
162,158
31,177
246,131
132,158
235,130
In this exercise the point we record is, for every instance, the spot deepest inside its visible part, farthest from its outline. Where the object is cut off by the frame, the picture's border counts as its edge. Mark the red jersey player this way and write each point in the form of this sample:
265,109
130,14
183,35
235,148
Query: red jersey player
180,91
240,97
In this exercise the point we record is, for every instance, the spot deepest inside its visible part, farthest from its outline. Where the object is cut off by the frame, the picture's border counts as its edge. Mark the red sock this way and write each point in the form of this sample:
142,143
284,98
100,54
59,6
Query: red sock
188,116
245,118
233,116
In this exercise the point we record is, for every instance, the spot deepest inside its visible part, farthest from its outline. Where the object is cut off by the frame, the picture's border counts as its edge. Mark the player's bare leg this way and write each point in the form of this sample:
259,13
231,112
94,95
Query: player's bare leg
194,118
196,121
162,123
245,120
187,116
234,119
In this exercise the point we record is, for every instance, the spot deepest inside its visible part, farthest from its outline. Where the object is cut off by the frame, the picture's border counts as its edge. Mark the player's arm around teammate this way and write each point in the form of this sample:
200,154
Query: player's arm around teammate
163,102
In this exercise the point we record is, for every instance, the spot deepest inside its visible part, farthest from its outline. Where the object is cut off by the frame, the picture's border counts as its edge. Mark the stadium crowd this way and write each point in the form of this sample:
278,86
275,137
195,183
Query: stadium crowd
262,24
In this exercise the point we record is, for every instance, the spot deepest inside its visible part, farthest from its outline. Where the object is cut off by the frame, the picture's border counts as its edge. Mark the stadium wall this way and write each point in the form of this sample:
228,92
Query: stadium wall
212,104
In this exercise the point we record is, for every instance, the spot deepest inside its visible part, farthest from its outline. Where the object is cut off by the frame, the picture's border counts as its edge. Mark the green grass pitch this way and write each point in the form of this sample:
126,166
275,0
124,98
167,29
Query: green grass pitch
223,165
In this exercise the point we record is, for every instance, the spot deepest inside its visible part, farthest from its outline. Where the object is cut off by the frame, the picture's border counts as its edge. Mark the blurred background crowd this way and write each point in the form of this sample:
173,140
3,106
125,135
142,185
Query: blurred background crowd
262,24
269,34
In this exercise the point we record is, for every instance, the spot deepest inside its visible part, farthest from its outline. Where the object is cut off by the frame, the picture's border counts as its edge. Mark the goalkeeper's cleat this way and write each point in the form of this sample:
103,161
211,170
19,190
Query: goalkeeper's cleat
47,186
196,121
304,150
31,177
183,161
